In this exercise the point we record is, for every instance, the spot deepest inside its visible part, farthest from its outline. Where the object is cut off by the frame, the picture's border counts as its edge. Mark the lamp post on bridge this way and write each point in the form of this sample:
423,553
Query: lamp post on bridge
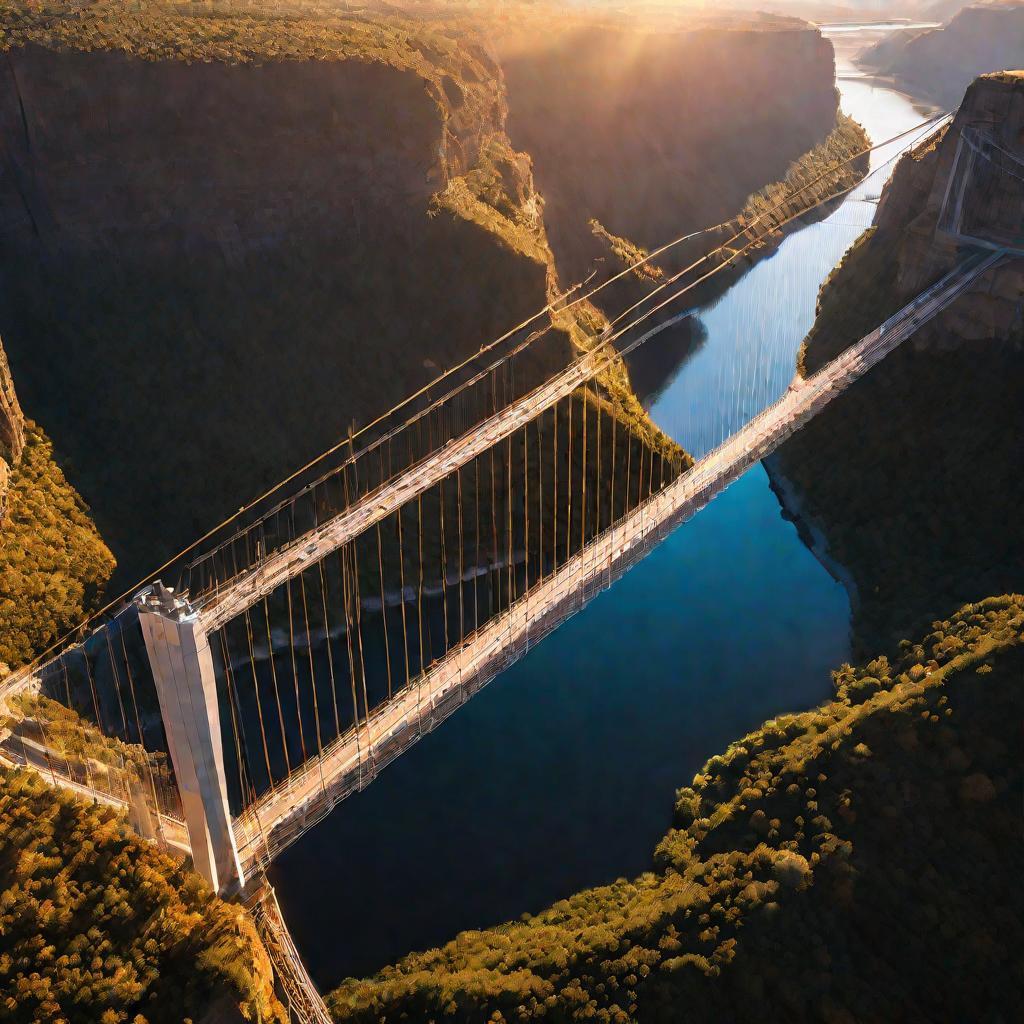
186,688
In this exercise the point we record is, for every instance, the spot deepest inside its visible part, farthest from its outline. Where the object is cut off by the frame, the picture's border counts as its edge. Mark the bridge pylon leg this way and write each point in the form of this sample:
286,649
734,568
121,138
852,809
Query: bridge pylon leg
186,687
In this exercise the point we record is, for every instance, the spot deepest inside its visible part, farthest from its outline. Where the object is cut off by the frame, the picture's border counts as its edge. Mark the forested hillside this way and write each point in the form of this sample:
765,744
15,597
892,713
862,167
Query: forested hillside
875,837
98,927
53,564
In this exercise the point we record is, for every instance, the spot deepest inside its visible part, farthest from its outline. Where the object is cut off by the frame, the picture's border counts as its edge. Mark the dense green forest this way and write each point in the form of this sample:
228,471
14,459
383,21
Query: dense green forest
98,927
841,864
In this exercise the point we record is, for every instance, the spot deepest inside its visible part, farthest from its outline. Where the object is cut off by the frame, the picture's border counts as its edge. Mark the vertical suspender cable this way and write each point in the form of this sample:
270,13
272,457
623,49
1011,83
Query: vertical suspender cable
555,508
239,761
327,641
295,668
495,576
343,568
629,468
615,468
444,563
401,603
229,676
462,558
476,530
526,508
92,688
568,528
117,685
359,629
540,501
256,690
384,606
277,692
312,671
583,482
419,598
67,690
508,507
600,459
142,738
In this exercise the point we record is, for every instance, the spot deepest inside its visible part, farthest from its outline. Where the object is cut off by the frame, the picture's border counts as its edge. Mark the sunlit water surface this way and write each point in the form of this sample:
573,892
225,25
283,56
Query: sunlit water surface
561,773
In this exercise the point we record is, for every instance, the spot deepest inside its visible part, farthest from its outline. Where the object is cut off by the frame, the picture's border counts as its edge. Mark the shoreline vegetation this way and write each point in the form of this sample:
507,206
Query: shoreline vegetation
871,837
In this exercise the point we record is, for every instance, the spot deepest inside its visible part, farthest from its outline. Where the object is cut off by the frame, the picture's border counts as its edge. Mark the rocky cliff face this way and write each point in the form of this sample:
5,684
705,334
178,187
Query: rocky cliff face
912,473
911,246
941,63
211,270
12,430
654,134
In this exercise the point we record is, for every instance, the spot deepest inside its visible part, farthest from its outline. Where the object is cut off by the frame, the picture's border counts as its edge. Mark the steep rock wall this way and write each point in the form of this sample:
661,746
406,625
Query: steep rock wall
657,134
941,63
212,270
912,473
12,429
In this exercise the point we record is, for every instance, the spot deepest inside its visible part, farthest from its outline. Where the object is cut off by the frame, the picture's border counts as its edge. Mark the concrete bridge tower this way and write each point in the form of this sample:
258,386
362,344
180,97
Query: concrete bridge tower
186,688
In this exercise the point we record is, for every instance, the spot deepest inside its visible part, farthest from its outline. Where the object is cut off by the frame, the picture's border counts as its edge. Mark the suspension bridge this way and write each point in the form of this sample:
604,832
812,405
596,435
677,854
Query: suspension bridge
308,649
284,813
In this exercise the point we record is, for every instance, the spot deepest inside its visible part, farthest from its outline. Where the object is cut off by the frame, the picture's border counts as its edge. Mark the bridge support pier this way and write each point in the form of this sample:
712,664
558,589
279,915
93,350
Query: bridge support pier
186,688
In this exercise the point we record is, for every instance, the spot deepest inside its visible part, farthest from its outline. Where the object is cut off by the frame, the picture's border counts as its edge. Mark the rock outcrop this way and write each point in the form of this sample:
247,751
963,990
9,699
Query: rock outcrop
12,430
940,63
910,236
912,473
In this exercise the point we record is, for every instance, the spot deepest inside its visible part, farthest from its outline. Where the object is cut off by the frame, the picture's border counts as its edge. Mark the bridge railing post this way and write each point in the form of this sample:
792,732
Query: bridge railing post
186,688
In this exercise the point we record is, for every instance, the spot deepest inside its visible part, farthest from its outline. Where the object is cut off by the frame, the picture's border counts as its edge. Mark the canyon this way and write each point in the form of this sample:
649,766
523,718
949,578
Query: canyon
231,241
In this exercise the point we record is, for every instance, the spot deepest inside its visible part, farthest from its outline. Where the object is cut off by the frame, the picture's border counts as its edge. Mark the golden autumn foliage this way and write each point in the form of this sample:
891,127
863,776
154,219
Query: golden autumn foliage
53,563
98,925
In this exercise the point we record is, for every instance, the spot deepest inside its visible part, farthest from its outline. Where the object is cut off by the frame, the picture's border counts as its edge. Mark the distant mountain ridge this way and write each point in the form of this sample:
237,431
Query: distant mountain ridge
941,63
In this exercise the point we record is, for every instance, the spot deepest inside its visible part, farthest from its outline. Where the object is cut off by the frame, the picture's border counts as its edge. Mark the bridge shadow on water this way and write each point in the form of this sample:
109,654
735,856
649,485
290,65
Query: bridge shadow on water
561,773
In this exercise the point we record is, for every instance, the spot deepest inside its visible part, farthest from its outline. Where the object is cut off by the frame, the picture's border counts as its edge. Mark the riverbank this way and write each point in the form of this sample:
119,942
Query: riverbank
811,532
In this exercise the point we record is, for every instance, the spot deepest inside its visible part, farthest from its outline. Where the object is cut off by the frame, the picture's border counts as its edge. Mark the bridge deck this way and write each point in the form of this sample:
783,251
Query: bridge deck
285,563
348,764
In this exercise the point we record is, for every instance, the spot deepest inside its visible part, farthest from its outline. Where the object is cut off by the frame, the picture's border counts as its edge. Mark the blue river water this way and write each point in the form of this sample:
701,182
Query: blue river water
561,773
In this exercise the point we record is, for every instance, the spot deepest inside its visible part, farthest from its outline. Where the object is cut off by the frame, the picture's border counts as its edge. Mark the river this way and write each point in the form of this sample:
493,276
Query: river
561,773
